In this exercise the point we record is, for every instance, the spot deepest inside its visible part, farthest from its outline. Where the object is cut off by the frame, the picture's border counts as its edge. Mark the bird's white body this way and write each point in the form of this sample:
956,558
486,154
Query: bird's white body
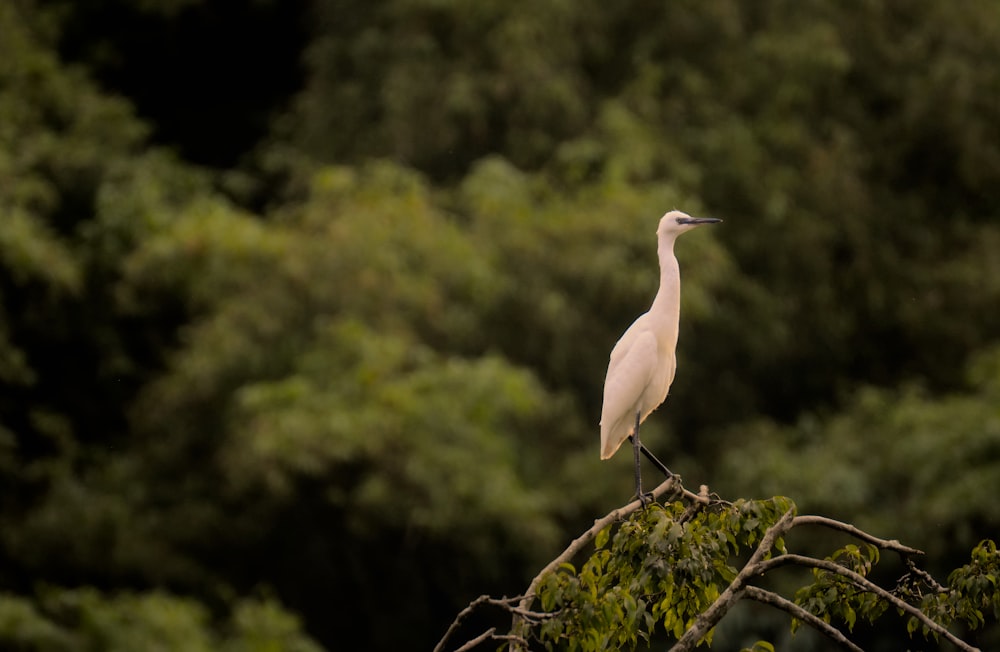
643,361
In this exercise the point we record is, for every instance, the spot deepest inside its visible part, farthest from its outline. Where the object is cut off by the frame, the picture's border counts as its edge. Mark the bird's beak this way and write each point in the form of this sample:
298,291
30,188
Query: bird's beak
697,220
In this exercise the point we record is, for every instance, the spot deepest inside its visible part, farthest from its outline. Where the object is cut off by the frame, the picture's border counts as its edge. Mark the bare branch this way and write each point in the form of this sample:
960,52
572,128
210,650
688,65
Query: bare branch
490,634
926,577
696,505
532,616
471,643
508,604
458,621
707,619
825,628
864,583
885,544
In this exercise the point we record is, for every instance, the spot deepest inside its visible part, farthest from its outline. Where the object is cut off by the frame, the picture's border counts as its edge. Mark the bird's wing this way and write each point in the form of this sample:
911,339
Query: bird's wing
630,371
626,341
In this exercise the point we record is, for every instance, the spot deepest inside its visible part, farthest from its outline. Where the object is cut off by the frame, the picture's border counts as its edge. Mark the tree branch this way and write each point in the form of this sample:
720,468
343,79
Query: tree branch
670,484
759,564
700,501
884,544
581,541
471,643
504,603
490,634
455,624
825,628
925,577
707,619
865,584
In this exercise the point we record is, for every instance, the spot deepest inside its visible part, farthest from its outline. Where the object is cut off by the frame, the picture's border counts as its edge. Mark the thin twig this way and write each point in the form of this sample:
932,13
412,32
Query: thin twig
702,497
533,616
865,584
825,628
458,621
885,544
471,643
707,619
926,577
490,634
696,505
504,603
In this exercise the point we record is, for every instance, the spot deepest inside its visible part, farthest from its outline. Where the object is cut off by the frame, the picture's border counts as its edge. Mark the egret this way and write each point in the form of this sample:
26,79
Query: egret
643,361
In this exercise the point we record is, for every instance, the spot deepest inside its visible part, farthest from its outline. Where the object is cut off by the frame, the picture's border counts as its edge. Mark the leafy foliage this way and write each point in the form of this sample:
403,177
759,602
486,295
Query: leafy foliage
662,568
678,566
971,595
834,596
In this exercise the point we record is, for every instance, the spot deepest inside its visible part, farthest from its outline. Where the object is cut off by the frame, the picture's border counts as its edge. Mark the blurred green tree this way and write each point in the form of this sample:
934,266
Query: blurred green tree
83,619
80,189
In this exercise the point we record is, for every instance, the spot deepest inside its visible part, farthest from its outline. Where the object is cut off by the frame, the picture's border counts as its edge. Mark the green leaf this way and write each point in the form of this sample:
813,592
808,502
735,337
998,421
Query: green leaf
678,628
602,537
759,646
568,567
850,617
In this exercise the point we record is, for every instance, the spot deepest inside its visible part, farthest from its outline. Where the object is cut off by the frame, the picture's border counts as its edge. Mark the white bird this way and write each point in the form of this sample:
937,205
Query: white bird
643,361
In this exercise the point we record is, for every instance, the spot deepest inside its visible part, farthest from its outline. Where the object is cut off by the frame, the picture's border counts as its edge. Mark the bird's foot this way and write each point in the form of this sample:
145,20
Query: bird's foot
646,498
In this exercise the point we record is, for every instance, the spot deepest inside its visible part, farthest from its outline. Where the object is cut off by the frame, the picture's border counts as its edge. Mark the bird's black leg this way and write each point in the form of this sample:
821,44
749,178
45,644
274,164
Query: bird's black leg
661,467
645,499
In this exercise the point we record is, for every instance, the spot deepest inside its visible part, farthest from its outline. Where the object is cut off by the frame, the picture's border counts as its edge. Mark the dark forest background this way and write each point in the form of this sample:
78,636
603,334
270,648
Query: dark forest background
305,306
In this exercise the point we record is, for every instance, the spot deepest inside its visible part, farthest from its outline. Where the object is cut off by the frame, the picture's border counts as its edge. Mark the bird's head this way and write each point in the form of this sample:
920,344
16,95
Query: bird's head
675,222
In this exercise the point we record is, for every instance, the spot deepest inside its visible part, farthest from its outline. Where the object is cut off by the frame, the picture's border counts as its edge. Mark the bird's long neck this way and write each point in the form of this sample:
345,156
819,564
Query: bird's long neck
667,304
